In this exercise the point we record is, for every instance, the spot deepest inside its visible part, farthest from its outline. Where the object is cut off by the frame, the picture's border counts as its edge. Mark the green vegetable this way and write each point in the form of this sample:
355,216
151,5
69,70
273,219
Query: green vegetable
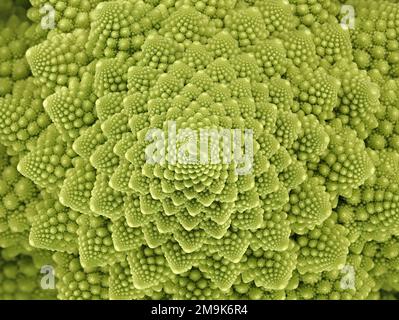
316,216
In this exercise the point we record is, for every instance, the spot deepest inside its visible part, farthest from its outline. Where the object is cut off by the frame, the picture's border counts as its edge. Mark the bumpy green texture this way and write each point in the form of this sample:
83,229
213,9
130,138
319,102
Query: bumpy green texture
314,214
20,279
